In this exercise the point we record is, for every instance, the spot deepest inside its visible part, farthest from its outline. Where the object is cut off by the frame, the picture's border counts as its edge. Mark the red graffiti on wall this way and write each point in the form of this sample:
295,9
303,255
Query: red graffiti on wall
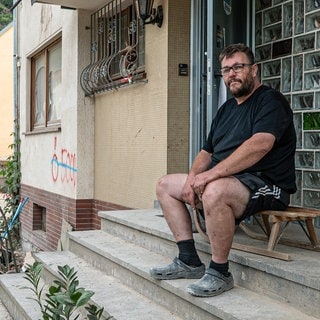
64,166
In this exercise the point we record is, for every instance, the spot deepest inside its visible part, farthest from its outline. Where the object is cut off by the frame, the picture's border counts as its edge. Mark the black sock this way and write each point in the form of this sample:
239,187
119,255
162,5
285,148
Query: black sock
188,253
220,267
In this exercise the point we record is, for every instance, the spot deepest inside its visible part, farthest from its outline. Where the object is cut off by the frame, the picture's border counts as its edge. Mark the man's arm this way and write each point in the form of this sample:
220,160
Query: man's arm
249,153
200,163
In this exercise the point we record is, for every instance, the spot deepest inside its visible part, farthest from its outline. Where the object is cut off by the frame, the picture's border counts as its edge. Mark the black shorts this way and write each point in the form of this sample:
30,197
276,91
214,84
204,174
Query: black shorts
263,195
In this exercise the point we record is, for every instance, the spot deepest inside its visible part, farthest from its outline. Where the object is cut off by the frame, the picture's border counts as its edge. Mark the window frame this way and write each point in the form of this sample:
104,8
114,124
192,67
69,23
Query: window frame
47,124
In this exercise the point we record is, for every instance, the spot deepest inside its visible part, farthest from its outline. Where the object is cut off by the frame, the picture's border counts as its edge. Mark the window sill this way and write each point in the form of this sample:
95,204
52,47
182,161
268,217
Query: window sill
42,130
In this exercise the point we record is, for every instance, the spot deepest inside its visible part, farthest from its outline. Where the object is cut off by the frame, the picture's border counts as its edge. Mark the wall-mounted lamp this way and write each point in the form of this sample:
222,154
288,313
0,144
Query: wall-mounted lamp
148,14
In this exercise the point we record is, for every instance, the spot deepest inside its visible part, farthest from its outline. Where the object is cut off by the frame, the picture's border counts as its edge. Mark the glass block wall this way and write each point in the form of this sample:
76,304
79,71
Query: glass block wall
288,53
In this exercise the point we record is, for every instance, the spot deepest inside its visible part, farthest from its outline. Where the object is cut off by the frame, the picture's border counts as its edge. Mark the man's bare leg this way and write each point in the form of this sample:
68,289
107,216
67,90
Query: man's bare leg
188,263
223,201
169,194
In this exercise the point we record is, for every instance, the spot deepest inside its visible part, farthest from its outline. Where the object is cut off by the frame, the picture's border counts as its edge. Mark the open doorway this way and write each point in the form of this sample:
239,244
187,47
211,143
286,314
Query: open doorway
215,24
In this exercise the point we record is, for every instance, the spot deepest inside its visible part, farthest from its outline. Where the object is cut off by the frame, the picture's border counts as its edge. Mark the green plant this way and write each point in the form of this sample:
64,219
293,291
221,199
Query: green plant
11,188
11,173
7,252
5,14
64,296
7,3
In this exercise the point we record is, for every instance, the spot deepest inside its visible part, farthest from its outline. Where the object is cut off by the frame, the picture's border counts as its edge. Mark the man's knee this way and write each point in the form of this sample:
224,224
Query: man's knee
217,190
226,191
161,185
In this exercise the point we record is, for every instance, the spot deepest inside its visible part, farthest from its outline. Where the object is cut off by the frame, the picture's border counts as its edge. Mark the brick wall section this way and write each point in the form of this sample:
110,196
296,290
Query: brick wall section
98,205
82,214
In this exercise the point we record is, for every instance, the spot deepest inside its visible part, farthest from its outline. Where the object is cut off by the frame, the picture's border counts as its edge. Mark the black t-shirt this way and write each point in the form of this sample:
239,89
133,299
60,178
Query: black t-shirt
266,110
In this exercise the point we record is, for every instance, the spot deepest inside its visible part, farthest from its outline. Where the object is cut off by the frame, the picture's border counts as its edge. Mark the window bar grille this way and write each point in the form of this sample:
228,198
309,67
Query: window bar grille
115,36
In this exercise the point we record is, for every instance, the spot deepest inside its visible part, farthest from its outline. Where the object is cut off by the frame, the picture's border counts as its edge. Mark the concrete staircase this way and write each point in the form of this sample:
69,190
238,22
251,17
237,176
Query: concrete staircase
114,263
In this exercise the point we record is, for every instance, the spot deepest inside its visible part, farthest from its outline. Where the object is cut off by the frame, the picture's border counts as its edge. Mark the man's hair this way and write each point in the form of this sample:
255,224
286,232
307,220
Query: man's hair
230,50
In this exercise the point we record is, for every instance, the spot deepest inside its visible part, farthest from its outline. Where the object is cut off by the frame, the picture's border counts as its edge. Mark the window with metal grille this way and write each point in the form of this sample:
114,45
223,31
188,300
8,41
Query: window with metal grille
117,48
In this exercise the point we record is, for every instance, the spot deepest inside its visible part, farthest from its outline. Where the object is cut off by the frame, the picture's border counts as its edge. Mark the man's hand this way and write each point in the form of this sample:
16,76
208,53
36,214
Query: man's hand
201,180
188,194
193,185
199,183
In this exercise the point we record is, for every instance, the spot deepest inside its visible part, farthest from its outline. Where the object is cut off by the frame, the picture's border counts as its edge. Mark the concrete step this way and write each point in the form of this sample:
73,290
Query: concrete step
119,301
130,264
296,282
4,312
18,300
115,263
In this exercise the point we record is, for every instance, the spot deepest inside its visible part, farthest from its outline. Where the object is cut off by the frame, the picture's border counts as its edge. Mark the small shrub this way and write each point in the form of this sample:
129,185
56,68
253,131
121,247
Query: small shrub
64,297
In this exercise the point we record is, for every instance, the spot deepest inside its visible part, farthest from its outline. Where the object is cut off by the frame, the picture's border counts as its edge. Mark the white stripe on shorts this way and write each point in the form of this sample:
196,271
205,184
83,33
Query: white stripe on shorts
266,191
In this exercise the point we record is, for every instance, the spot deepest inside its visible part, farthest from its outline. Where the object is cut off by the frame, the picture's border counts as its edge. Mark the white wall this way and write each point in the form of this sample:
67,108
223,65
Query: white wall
73,145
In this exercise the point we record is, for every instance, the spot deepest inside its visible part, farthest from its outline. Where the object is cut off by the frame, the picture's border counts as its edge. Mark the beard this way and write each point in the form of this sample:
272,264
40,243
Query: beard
245,89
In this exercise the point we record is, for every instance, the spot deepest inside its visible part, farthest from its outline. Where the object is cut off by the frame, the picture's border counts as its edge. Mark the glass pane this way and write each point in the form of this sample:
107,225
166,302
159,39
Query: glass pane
272,33
297,119
312,81
262,4
313,21
272,16
275,84
54,84
299,16
302,101
311,199
312,61
312,140
304,43
258,29
272,69
287,20
40,91
297,73
311,180
311,121
286,75
304,159
263,53
312,5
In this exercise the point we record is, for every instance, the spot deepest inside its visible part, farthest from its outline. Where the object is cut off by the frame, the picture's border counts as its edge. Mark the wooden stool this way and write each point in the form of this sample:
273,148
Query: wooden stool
272,230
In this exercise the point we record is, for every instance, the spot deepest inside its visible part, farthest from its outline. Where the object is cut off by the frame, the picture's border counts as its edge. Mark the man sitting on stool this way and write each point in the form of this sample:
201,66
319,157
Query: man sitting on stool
245,166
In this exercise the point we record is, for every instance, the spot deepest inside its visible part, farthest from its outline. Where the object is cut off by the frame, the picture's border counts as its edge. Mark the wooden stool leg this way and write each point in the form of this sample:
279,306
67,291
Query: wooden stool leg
274,235
265,220
202,232
312,234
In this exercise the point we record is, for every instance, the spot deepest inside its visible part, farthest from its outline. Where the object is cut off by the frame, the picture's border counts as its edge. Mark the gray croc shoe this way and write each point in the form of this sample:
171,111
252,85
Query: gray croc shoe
176,270
211,284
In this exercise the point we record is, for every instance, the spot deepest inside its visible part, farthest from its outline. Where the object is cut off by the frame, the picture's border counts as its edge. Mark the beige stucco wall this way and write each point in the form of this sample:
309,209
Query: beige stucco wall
142,131
73,145
178,86
6,91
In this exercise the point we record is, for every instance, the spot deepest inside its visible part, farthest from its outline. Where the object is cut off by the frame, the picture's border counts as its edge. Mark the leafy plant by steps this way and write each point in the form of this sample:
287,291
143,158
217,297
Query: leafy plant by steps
11,175
64,297
7,251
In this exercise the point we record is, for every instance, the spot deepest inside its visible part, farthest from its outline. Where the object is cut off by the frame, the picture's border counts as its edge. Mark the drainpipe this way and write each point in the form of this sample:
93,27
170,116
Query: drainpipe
16,77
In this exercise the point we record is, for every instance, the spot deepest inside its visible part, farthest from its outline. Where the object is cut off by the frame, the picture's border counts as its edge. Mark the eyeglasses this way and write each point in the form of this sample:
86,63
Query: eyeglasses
236,68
